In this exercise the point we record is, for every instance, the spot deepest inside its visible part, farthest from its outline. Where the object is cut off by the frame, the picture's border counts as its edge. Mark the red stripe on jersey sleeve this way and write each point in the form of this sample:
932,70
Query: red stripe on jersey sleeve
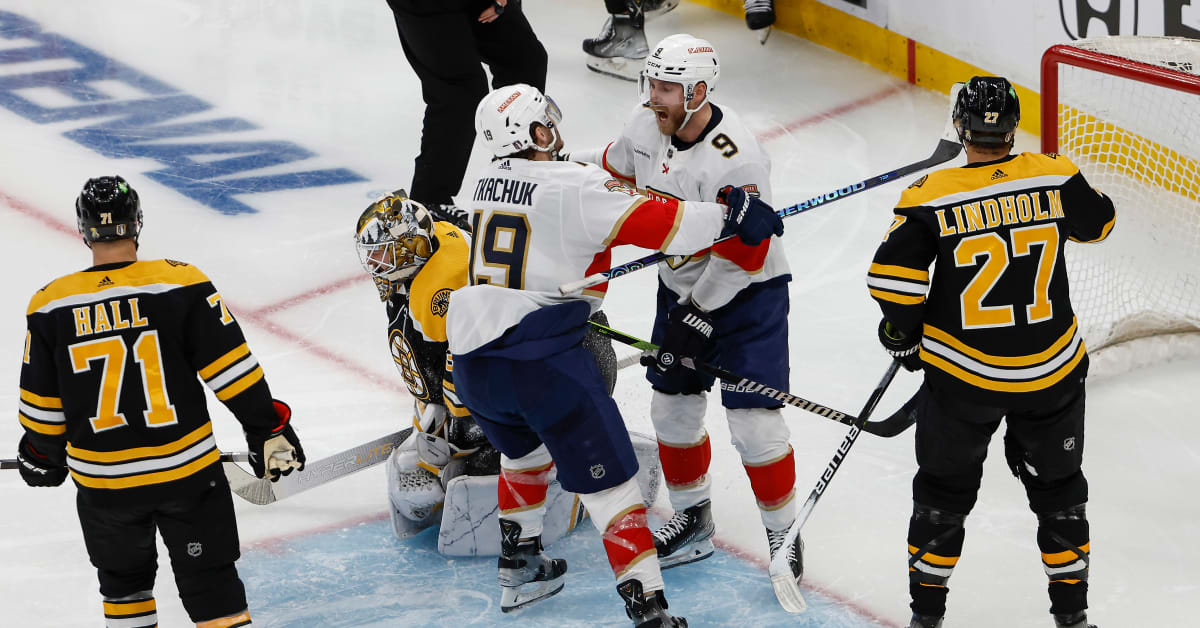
749,258
650,224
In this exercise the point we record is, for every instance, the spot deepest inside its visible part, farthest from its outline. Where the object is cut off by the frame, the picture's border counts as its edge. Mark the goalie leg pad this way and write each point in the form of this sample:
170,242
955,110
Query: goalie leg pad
620,516
521,490
414,492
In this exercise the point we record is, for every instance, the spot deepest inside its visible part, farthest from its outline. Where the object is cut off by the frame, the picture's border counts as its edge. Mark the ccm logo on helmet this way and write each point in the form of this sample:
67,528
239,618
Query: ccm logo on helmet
508,102
700,49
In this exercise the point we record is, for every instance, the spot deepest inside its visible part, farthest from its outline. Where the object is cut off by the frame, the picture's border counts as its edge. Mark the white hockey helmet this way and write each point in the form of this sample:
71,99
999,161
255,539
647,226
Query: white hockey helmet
505,119
683,59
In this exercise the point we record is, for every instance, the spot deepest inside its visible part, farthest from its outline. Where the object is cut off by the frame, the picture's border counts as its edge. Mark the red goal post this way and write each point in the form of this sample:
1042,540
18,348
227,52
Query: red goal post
1126,110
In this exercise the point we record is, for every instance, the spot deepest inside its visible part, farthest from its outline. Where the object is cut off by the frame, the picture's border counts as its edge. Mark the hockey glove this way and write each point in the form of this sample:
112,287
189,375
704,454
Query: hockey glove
748,216
451,214
903,347
37,469
277,452
689,335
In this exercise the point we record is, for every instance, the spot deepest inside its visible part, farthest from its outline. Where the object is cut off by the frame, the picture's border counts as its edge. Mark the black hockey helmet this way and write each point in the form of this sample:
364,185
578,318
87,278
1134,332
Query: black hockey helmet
987,111
108,209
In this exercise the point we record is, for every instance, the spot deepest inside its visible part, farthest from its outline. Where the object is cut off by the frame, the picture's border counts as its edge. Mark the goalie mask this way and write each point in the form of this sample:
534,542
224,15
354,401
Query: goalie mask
987,111
394,239
505,119
686,60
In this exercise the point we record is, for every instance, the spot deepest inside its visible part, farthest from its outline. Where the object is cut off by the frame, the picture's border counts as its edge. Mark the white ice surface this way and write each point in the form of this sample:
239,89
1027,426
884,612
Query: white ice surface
331,77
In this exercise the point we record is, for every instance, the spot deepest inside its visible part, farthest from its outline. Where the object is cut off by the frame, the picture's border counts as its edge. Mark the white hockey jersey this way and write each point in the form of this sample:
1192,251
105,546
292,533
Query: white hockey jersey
540,224
727,153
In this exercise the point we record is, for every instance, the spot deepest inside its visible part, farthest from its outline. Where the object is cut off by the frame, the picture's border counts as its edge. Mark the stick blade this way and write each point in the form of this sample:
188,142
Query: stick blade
573,287
786,588
255,490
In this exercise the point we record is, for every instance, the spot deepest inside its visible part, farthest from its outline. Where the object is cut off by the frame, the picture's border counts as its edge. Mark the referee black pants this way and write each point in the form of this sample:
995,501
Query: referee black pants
446,45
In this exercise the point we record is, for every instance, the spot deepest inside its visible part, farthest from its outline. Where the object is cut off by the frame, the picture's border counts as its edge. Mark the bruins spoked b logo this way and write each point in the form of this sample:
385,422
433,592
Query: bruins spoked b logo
440,302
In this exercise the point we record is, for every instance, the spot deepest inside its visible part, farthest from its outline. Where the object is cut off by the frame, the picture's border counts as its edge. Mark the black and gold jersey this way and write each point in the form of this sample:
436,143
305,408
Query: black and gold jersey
995,314
109,378
417,331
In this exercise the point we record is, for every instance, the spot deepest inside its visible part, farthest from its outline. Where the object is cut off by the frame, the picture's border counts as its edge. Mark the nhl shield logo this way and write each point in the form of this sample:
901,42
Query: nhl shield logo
1069,444
666,358
194,549
597,471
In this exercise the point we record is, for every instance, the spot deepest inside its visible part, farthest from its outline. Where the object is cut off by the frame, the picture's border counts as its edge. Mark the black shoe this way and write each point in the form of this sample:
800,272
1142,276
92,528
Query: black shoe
686,537
647,611
527,575
1078,619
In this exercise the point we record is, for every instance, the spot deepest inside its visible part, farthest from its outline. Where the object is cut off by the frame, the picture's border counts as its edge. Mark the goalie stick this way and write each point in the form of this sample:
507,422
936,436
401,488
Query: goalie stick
262,491
891,426
948,147
786,587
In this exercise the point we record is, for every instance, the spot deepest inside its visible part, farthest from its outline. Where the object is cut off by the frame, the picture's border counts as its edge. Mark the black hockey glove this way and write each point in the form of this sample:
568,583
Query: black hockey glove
37,469
689,335
748,216
278,451
900,346
451,214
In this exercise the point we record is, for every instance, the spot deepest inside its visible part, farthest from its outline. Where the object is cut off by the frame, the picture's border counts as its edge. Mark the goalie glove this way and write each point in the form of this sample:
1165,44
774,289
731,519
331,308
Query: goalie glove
748,216
900,346
277,452
37,469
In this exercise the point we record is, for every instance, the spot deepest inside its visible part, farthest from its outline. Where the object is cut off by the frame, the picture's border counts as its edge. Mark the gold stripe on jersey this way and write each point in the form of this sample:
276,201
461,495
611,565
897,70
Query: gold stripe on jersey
1103,232
139,453
224,361
126,609
1005,361
239,385
954,185
49,403
232,373
146,479
896,298
444,272
934,559
1060,558
898,284
982,376
148,277
47,428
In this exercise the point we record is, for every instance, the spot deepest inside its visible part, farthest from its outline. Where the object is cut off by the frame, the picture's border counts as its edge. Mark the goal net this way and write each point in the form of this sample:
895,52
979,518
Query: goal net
1126,110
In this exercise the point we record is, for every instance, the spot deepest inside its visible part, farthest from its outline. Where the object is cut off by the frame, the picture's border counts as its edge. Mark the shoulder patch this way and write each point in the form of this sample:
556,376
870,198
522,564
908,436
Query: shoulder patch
440,302
176,263
614,185
919,182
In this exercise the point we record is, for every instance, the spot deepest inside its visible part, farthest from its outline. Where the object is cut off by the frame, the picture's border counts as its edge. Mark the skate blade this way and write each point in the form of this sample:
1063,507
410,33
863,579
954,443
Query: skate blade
617,67
787,590
512,598
695,553
763,34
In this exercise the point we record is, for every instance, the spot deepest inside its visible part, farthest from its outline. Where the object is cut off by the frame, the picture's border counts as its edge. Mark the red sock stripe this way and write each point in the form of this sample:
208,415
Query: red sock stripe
773,482
521,490
627,540
683,466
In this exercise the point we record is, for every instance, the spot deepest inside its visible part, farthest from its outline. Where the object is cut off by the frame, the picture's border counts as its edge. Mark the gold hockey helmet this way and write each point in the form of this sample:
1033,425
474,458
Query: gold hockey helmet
394,239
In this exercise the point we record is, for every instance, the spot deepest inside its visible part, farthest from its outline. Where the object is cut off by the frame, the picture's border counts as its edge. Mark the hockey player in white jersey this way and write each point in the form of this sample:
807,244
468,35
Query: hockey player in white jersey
678,144
517,344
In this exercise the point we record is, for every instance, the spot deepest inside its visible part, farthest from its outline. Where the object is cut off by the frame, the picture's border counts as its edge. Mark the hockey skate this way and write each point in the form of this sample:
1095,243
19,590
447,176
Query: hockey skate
1072,620
527,575
647,611
686,537
654,8
620,49
795,552
760,15
925,621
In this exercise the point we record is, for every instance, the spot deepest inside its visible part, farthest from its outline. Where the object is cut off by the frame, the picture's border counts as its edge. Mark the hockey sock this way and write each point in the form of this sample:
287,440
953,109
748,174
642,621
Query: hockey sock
232,621
132,611
686,470
521,491
774,486
1066,556
620,516
935,539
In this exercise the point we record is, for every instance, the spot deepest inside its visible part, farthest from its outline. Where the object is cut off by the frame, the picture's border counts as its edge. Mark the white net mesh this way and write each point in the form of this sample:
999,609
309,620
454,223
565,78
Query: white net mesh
1140,144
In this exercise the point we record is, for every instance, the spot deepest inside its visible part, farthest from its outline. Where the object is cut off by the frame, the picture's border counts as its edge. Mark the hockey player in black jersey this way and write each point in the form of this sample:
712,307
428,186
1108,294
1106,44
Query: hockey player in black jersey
994,331
109,395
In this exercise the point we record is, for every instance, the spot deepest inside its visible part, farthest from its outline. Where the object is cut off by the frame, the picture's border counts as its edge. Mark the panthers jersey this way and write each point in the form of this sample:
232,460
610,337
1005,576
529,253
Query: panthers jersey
417,331
726,153
540,224
996,316
108,379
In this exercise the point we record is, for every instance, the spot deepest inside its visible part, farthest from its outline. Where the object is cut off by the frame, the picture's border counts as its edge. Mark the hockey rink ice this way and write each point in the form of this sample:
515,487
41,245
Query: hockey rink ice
256,132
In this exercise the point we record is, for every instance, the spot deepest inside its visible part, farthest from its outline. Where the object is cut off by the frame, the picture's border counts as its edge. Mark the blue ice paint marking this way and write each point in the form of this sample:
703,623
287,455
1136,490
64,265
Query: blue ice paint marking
364,576
141,127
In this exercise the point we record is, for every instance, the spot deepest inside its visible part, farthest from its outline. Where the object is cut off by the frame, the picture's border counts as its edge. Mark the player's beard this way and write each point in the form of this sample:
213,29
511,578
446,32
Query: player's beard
668,119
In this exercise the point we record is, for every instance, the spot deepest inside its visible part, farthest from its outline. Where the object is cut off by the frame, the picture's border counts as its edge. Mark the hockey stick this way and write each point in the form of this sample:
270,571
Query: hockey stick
786,587
239,456
886,428
948,147
262,491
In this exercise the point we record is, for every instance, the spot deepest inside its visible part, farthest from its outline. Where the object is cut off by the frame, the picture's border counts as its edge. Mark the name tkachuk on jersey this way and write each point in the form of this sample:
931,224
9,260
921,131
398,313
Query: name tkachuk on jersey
726,153
417,331
576,213
109,373
997,319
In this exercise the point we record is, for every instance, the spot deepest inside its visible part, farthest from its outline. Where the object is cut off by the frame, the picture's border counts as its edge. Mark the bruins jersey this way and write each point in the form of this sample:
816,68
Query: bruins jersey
417,331
995,315
108,379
